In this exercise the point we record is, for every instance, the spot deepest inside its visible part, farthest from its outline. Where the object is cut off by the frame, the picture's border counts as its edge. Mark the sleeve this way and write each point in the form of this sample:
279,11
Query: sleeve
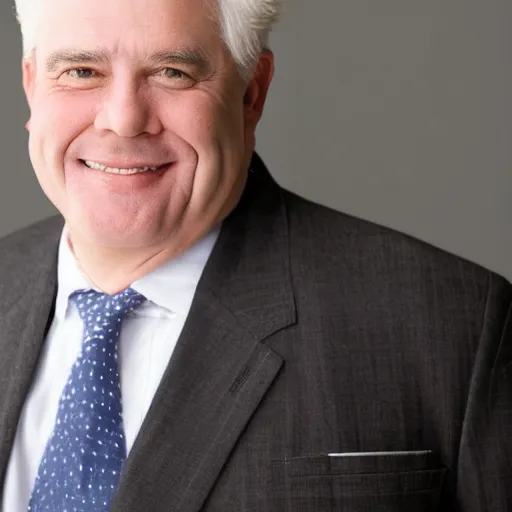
484,472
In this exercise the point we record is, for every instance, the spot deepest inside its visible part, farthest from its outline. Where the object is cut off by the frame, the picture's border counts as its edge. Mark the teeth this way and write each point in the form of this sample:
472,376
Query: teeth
114,170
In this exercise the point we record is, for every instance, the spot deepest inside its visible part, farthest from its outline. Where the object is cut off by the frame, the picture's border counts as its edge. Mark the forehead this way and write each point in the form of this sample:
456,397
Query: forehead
131,27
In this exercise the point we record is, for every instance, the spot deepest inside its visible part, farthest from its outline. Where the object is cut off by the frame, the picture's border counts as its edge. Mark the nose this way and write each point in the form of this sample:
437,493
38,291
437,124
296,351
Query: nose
127,111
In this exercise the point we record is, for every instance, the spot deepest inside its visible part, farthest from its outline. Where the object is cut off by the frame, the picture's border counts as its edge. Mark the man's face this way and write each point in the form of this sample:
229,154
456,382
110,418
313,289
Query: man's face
131,84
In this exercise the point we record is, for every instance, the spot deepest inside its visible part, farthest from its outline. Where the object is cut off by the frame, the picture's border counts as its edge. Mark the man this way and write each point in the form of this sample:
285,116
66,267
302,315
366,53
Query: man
188,335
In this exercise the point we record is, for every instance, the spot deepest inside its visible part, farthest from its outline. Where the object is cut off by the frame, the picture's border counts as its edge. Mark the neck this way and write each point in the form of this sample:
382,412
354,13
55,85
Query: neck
113,269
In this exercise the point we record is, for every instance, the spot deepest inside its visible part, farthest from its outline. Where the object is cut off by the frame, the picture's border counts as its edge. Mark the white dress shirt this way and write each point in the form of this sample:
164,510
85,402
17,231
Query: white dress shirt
147,340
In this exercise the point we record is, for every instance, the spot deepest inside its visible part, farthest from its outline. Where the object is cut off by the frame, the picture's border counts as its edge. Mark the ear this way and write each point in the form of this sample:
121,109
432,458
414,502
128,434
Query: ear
28,73
256,92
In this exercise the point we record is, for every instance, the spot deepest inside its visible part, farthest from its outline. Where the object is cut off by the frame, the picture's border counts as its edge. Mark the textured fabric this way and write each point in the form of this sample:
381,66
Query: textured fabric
311,333
147,341
82,463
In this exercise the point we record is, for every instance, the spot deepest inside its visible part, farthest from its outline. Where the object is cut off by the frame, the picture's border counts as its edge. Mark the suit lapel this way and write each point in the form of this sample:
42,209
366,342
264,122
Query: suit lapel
221,367
25,313
216,379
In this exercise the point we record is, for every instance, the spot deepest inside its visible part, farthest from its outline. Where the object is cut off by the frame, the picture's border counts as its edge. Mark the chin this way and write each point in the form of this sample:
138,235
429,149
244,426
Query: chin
121,234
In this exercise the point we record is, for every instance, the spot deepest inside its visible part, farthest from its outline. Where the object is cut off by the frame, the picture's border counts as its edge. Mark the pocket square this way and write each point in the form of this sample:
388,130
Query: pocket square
376,454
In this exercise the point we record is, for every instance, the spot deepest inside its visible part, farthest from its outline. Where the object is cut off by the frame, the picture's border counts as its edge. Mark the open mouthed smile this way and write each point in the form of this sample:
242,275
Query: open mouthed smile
126,171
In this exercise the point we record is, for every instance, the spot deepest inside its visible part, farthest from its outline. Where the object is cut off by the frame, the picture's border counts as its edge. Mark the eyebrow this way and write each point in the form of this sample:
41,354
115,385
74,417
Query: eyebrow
73,57
185,56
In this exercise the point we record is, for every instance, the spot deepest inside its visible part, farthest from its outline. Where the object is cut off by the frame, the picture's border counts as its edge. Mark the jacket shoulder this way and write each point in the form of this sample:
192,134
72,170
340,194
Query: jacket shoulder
332,243
22,251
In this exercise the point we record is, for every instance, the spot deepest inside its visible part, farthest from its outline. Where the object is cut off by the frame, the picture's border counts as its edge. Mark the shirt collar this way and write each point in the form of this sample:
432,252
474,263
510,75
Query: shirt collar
171,285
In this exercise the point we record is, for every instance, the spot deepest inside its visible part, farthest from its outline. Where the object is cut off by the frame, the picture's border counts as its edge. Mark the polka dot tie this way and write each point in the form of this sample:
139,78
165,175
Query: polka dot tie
81,465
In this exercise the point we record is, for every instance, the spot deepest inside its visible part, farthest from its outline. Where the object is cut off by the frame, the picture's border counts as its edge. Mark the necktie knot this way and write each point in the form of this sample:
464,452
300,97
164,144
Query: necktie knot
92,304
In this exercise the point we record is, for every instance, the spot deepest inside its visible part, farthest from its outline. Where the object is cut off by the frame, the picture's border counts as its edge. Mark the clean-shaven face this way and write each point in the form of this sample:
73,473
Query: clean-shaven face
138,129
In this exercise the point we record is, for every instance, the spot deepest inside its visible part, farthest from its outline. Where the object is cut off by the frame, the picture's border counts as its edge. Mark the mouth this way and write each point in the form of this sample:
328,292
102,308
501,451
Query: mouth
96,166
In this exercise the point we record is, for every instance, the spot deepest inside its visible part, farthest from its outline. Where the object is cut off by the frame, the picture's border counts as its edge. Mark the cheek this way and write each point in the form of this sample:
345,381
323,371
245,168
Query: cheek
204,124
55,121
52,130
215,132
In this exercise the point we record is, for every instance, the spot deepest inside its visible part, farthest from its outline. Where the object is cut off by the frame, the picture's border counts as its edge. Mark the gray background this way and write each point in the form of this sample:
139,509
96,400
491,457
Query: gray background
397,111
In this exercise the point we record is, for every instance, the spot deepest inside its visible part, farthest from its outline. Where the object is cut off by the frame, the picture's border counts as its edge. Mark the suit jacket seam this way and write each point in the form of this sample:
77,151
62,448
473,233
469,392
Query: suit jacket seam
464,429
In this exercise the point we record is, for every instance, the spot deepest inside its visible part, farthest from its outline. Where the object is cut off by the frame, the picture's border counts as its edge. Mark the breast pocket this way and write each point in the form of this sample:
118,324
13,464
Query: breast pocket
364,482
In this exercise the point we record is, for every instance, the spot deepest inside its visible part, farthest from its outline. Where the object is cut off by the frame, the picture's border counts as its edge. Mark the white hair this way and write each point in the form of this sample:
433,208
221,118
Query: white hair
245,27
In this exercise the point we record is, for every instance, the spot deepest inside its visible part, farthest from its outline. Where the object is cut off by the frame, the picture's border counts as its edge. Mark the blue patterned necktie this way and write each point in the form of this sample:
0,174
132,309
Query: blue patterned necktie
81,465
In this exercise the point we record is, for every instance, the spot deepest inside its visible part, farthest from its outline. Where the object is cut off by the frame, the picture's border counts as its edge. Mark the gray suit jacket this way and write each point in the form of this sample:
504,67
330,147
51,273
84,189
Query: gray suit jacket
311,332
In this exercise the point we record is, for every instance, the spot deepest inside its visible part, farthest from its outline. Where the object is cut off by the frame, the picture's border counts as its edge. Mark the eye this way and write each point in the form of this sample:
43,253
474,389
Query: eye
175,74
176,79
79,78
81,73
